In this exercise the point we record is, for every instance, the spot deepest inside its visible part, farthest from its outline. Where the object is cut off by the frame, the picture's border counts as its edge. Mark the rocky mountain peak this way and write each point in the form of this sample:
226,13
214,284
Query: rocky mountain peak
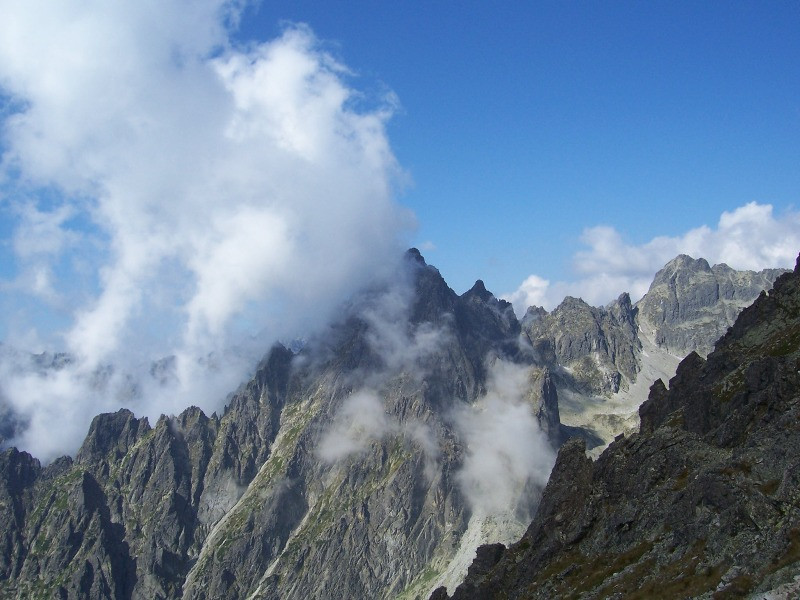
571,304
622,309
414,255
690,305
698,503
680,264
111,432
479,291
533,314
594,347
433,298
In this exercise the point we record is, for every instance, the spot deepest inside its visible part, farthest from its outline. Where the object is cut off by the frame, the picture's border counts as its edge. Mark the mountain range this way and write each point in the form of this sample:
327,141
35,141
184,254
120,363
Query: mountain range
373,462
701,502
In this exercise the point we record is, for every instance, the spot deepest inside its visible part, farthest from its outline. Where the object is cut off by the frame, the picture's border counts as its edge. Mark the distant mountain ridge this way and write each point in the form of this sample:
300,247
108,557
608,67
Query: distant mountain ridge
700,503
604,359
352,468
690,305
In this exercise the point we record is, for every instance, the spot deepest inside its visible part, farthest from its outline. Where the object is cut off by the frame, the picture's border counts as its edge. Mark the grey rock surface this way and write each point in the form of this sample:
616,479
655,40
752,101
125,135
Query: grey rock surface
701,503
591,349
690,304
334,472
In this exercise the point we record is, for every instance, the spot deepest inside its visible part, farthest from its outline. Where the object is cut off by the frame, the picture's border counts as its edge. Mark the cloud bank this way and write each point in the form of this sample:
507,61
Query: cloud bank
174,194
508,457
749,237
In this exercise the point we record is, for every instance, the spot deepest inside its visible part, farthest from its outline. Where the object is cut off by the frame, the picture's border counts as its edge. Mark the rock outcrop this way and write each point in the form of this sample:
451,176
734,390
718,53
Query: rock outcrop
337,470
702,502
593,350
690,304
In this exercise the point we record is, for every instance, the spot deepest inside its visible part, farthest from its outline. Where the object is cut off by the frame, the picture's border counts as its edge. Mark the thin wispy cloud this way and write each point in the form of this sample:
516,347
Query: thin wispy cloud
225,192
749,237
398,348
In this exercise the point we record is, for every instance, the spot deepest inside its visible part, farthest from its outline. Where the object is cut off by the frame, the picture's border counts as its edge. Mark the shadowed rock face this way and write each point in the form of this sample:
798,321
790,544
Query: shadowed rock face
702,501
264,502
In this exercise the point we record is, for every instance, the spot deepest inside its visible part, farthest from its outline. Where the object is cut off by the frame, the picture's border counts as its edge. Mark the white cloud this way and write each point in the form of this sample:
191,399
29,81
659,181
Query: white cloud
38,240
229,191
400,344
749,237
506,451
532,292
42,232
427,246
361,420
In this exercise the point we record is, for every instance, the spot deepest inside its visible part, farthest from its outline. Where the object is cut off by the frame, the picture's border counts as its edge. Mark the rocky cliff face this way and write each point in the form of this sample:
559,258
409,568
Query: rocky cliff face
593,349
702,502
603,359
341,471
690,305
370,464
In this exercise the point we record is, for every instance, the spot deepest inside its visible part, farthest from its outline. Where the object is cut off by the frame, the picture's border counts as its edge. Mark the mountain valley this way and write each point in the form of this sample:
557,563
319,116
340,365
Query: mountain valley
374,461
701,502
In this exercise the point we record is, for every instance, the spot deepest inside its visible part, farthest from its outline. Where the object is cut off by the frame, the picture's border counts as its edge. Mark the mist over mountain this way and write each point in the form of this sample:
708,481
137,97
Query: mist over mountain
372,462
701,502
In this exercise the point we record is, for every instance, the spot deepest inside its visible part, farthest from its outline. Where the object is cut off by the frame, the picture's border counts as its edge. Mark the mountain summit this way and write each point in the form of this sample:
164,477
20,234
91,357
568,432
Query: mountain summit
370,464
690,304
702,502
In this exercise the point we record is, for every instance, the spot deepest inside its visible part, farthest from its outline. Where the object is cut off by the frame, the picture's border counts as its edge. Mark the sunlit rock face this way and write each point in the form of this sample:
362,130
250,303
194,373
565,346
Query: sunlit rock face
690,305
697,503
596,348
370,463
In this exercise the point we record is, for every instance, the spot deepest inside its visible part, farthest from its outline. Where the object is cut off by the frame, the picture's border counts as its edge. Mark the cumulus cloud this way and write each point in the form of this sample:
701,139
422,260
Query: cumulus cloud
224,191
508,457
749,237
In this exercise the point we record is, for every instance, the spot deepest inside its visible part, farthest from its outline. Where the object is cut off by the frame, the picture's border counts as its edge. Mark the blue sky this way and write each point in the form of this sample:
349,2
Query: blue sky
548,148
524,122
171,185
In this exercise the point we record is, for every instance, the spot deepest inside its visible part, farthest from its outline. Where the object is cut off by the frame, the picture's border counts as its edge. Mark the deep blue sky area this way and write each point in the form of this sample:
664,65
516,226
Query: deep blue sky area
194,164
522,123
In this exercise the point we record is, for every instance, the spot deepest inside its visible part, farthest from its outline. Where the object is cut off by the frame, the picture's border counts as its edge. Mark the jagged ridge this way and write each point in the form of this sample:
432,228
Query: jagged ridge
242,505
703,501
